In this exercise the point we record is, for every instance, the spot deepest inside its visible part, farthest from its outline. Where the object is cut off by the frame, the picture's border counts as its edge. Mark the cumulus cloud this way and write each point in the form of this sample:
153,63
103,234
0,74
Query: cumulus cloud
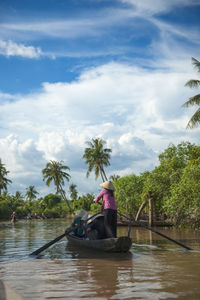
10,48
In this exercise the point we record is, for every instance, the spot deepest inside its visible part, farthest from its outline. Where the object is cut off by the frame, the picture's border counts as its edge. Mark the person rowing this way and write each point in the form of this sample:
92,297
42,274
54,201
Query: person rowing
109,208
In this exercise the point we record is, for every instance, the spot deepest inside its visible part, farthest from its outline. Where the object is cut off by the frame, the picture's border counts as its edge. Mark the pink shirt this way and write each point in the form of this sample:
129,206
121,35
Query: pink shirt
108,200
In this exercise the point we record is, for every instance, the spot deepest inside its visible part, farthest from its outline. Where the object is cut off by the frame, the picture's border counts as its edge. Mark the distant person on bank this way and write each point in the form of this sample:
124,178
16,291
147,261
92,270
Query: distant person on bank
109,208
13,217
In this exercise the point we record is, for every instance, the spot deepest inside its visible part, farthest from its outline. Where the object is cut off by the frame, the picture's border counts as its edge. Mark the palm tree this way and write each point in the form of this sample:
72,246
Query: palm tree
55,171
195,100
114,177
19,195
3,180
73,191
96,156
31,193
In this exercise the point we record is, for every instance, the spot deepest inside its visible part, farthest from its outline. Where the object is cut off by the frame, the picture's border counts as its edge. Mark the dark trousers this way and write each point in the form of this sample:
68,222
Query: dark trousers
110,223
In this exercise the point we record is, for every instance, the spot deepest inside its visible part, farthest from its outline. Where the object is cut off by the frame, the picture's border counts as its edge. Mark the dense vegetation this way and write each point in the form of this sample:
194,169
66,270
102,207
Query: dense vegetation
173,185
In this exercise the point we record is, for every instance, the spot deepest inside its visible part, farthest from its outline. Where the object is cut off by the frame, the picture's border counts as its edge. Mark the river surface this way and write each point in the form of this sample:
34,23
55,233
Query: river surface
155,268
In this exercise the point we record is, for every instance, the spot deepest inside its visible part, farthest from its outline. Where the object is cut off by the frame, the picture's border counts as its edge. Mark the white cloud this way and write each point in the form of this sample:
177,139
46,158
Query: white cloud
153,7
10,48
138,112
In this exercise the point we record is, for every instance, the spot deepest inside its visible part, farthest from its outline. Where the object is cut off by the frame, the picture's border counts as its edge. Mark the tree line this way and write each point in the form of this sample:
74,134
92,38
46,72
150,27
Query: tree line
173,185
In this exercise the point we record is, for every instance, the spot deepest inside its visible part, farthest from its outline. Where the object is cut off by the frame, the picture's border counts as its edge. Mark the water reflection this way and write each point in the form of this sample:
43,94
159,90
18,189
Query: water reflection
93,274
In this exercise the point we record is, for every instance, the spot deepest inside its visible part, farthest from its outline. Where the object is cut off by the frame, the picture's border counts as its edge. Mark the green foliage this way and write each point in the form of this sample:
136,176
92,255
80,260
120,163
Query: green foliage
96,156
8,204
73,191
128,192
5,210
4,181
58,211
50,200
183,207
31,193
167,175
83,202
55,171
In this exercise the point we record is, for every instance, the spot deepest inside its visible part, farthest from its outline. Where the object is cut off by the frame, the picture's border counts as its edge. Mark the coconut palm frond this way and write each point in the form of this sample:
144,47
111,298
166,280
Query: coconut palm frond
196,63
195,100
4,181
193,83
55,172
195,120
96,156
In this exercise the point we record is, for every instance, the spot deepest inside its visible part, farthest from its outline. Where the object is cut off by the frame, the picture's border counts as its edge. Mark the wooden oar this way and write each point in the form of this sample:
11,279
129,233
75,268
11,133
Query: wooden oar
38,251
151,229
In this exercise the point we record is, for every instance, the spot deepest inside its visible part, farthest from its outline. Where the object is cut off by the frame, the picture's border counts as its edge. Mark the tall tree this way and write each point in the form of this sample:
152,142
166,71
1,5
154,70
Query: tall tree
55,171
73,191
96,156
19,195
4,181
31,193
114,177
195,100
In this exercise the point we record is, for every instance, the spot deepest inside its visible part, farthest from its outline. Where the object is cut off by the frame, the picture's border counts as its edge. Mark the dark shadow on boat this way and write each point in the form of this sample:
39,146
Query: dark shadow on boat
83,252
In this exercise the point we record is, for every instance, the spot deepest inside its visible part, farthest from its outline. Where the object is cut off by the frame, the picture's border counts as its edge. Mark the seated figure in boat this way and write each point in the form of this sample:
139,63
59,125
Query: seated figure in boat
95,228
78,223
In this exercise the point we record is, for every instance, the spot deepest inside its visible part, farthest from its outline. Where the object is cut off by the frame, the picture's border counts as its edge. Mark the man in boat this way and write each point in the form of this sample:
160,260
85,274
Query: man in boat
109,208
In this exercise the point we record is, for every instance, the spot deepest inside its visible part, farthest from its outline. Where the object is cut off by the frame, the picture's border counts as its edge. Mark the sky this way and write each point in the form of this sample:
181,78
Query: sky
75,70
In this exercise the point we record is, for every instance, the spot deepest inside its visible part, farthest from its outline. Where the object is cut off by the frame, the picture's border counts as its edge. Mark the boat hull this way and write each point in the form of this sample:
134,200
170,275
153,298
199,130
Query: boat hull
120,244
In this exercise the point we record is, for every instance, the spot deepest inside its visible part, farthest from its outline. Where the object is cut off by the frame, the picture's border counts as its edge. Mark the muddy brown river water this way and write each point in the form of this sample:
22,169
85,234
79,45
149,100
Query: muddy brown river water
155,268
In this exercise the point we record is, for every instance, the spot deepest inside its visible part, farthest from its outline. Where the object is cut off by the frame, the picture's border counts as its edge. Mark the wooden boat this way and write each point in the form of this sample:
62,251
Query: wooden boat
120,244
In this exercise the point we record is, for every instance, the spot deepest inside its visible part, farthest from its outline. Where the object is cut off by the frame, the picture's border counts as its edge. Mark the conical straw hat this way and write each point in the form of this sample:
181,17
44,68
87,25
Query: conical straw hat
107,185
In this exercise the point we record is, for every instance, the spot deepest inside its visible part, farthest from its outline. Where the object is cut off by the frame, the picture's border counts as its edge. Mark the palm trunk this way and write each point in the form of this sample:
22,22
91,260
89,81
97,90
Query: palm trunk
62,193
140,209
103,174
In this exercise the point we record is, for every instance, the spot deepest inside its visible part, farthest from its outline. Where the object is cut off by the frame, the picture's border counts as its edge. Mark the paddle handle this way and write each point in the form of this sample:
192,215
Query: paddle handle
159,233
36,252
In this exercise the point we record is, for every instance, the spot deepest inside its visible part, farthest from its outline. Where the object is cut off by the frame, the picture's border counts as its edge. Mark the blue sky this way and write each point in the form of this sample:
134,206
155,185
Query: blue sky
75,70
